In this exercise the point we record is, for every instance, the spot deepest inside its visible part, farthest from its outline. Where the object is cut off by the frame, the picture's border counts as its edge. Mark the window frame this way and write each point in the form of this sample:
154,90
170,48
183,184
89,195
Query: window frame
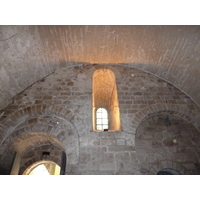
102,119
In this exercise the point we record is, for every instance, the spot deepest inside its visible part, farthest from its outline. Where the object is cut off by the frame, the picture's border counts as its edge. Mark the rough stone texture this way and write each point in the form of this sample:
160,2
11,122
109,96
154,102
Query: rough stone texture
29,53
61,105
161,145
35,155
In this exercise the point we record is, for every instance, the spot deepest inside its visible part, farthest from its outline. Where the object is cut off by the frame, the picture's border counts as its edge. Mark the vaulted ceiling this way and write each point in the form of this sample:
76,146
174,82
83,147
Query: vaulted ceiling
29,53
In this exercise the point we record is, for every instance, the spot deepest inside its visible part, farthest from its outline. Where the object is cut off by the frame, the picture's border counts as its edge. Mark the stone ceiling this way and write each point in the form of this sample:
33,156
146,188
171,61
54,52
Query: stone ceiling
29,53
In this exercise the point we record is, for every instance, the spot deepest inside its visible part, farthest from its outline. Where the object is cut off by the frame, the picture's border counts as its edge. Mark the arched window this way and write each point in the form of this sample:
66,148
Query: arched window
105,101
101,119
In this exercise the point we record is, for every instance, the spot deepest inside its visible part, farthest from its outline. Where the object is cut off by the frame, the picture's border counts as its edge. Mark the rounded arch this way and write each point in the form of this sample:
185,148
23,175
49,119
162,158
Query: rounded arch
31,140
34,162
170,142
179,110
34,111
62,136
26,121
34,165
43,123
104,95
49,124
37,147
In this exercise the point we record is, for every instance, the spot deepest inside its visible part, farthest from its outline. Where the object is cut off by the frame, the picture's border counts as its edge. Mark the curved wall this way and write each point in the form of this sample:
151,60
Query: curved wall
61,105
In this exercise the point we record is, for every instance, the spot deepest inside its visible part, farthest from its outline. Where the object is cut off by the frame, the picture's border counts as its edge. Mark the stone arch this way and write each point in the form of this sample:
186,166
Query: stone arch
174,144
28,141
37,110
178,110
69,138
26,121
30,147
39,124
13,123
26,163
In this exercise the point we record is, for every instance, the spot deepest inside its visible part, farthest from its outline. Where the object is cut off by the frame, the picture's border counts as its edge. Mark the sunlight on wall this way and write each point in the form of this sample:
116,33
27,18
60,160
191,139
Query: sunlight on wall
105,96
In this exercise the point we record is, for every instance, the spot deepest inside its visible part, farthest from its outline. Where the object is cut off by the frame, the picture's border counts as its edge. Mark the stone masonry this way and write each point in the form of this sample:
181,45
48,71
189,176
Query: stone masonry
61,105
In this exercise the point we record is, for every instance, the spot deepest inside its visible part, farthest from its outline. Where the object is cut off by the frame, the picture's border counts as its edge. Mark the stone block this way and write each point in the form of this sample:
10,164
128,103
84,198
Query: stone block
107,166
96,142
108,141
84,157
68,168
93,166
123,156
133,155
120,141
158,135
142,144
97,157
145,136
125,173
120,148
108,157
141,158
92,149
151,158
156,143
82,167
127,166
141,151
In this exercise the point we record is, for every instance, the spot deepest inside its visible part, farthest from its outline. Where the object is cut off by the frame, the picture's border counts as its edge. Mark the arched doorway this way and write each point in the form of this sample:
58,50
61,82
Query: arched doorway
38,153
45,167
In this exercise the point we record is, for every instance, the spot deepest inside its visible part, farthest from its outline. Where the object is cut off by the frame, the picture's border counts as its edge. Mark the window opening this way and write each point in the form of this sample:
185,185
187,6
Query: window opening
40,170
102,119
43,167
106,115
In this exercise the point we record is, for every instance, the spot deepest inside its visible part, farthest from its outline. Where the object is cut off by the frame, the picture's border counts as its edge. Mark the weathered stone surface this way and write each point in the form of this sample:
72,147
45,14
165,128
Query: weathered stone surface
167,148
61,106
107,167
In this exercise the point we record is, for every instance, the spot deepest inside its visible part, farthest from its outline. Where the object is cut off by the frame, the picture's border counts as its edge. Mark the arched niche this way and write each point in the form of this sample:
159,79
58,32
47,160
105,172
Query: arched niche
166,141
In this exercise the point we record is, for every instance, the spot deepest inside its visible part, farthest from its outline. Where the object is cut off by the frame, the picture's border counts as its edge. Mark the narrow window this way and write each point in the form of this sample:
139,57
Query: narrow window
105,101
101,119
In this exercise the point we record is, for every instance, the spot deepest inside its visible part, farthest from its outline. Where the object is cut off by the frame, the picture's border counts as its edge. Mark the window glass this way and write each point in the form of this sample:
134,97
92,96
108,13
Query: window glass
101,119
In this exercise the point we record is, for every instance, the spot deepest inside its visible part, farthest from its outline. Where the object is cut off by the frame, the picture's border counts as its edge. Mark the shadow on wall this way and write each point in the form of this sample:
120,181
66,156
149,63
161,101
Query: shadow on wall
173,145
52,115
36,147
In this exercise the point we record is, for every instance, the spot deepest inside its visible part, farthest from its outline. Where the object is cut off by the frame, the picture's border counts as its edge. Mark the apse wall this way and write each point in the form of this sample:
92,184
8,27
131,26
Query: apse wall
61,105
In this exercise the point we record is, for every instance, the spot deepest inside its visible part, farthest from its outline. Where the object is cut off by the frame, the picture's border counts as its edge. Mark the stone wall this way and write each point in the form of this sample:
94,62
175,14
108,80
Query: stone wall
61,105
164,141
